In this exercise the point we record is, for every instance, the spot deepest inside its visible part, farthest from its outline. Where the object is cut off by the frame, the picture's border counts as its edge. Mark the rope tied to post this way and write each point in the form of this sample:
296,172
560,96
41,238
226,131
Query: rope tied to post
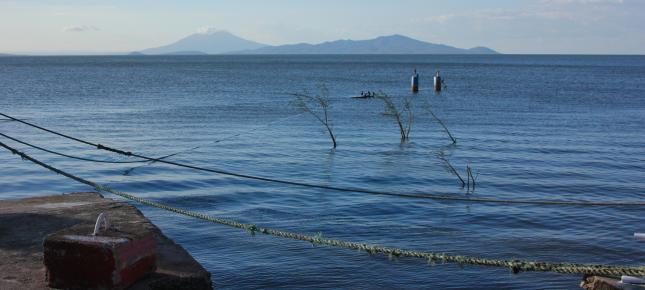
515,266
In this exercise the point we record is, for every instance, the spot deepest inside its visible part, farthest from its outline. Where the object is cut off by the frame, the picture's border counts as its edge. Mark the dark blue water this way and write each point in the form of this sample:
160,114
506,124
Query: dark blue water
532,127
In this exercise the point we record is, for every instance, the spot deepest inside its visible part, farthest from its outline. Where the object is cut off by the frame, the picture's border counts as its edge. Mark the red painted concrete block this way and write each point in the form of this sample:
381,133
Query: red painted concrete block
97,262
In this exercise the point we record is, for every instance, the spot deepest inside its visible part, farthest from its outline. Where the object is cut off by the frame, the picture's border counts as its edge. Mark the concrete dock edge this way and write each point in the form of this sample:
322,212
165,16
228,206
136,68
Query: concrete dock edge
24,223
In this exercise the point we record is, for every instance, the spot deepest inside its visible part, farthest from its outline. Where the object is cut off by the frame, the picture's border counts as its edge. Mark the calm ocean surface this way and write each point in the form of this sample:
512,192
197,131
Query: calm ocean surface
533,127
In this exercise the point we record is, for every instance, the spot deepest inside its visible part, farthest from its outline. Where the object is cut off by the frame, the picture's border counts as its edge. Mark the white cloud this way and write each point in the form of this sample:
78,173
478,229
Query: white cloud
440,19
580,10
498,15
585,2
206,29
80,28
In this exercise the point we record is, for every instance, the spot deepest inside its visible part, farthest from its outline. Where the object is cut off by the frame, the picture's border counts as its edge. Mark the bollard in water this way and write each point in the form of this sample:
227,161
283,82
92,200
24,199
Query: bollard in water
639,236
415,82
437,82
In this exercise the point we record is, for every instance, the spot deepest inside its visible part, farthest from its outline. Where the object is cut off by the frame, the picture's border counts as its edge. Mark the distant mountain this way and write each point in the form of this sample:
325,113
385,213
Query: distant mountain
221,42
481,50
393,44
5,54
206,43
186,53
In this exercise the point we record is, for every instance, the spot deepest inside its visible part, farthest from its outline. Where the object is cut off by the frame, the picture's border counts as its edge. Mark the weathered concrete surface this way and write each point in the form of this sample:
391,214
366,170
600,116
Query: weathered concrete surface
25,222
604,283
113,259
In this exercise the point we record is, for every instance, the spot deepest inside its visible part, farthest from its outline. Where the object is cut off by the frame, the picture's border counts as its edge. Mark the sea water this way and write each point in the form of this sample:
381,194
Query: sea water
565,128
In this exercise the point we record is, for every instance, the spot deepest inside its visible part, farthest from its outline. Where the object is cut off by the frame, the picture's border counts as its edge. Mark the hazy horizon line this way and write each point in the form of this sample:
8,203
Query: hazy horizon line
128,53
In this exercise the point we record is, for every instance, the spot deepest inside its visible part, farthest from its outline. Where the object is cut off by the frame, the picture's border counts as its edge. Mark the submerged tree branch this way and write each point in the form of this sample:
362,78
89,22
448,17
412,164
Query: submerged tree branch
428,108
450,168
399,115
312,104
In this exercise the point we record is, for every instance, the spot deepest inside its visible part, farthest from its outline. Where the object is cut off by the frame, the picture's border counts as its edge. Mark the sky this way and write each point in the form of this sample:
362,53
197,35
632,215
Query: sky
508,26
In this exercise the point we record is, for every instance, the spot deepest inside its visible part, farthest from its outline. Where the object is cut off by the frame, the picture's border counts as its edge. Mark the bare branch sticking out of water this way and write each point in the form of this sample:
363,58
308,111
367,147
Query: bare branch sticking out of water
399,116
428,108
312,104
471,177
468,176
450,168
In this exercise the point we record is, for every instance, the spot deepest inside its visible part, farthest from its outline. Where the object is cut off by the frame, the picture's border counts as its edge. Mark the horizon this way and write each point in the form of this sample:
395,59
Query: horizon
73,27
129,53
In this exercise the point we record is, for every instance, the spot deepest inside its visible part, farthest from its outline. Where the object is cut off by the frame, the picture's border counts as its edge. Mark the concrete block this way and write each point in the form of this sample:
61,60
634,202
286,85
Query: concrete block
112,261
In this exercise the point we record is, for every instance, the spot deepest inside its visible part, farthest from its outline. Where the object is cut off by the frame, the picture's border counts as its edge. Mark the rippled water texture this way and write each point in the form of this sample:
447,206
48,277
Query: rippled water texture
532,127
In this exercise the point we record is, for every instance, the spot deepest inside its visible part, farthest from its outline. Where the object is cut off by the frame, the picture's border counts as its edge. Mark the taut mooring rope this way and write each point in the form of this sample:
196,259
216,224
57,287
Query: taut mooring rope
515,266
128,171
66,155
139,161
346,189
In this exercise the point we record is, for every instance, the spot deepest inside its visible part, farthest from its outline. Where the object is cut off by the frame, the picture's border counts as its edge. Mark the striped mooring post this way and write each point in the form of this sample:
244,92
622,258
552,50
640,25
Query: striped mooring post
639,236
415,81
437,82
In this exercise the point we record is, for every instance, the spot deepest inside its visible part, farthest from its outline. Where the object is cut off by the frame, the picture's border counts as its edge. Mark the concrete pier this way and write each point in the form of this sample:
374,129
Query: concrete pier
24,223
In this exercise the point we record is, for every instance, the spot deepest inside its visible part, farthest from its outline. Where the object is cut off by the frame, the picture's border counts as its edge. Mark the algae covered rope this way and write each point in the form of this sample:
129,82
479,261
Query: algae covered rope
516,266
345,189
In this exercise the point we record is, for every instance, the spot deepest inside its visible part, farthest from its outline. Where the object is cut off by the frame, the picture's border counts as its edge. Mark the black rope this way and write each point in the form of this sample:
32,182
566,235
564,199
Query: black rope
66,155
128,171
50,131
347,189
99,146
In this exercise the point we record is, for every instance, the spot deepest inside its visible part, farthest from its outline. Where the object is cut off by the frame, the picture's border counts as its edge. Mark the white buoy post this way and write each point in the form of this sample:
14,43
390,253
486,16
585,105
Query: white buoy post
437,82
632,280
639,236
415,82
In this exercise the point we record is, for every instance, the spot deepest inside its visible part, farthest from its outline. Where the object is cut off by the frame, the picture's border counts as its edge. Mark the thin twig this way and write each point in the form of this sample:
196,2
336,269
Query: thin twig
428,108
469,176
306,103
398,115
452,169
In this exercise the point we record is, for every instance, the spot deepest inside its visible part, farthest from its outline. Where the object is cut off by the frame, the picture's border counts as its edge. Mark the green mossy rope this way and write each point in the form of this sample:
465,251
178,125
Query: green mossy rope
515,266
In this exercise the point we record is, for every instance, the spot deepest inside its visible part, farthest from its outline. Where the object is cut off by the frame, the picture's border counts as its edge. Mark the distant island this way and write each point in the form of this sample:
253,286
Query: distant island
223,42
217,42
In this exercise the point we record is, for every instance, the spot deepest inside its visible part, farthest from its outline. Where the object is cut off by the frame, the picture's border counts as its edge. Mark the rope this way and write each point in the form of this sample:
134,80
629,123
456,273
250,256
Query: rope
65,155
349,189
50,131
516,266
128,171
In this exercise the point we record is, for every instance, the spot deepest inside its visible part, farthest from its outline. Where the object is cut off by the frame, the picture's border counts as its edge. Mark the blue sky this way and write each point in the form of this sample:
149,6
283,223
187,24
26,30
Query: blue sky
520,26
